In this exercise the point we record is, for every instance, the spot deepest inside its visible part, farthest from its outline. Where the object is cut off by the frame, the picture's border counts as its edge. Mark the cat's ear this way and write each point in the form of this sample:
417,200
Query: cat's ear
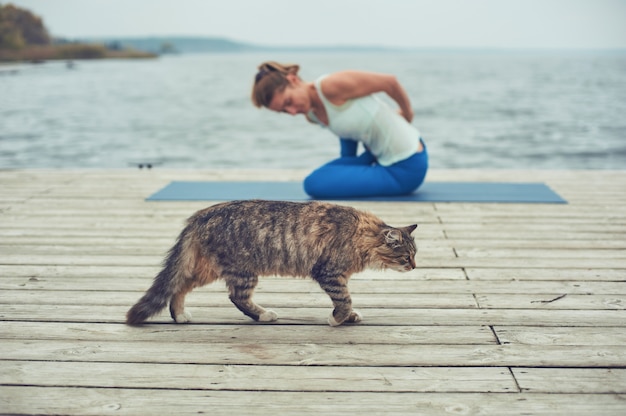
392,236
410,228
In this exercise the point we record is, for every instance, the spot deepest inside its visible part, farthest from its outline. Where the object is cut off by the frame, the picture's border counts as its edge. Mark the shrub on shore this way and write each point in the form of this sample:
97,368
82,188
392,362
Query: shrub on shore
39,53
24,37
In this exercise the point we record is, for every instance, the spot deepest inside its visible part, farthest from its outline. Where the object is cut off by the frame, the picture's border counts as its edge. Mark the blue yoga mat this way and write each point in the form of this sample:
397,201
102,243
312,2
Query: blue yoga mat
428,192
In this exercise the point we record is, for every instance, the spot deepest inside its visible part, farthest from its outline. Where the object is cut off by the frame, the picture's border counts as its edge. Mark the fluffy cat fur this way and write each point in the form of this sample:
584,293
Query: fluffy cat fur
242,240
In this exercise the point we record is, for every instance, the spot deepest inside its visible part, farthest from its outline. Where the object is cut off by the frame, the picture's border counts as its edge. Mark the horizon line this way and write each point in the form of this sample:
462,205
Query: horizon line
356,46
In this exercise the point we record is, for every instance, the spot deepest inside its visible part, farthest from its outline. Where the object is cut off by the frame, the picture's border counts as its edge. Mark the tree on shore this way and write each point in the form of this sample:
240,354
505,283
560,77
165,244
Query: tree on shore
20,28
24,38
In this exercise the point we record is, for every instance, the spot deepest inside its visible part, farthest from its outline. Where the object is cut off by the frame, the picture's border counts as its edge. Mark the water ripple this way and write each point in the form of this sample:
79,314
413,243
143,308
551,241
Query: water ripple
516,110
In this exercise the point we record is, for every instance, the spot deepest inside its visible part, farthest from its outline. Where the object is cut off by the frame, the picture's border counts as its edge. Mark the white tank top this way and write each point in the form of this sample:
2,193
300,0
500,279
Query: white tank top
368,119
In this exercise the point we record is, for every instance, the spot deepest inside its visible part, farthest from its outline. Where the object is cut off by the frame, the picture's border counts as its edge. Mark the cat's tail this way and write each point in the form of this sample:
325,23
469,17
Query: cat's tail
177,269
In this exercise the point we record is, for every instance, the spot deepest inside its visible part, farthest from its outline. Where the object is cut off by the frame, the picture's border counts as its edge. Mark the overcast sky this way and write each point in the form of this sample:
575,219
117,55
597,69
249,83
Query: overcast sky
400,23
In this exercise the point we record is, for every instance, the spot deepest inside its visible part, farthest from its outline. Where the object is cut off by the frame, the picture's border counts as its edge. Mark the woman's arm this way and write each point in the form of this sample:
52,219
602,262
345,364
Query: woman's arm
342,86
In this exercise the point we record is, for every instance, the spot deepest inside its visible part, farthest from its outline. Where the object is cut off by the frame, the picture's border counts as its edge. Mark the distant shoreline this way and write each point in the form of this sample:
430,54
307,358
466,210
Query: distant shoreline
69,52
154,46
190,44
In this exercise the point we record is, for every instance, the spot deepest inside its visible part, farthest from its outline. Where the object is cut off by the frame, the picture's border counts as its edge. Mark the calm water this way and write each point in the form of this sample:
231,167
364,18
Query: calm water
488,110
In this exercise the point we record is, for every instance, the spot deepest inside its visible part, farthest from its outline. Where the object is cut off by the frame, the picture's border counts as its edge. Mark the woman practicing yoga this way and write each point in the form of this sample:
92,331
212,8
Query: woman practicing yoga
395,160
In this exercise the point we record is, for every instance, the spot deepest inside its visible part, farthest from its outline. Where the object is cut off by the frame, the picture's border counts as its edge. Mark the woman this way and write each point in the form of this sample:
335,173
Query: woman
395,160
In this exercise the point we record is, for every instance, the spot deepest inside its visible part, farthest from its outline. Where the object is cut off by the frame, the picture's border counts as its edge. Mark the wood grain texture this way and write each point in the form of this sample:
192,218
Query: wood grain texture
513,309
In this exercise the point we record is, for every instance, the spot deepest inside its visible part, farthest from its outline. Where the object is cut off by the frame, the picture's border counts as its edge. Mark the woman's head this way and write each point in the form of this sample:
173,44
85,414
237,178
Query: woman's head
271,78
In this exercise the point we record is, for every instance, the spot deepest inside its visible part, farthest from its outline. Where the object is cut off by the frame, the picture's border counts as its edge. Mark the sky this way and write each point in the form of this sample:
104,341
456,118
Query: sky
508,24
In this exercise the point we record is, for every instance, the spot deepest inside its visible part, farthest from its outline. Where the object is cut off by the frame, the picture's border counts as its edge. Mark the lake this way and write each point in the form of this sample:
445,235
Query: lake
527,110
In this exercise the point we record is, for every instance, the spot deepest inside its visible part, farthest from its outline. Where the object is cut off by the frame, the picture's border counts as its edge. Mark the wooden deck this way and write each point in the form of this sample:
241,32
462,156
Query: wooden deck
514,309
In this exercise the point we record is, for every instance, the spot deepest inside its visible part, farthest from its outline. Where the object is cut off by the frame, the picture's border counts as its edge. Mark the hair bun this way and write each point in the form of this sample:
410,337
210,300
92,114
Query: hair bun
282,68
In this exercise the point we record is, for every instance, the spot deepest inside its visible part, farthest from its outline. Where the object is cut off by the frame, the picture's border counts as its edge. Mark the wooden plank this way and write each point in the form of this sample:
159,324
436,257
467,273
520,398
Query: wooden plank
156,243
552,301
250,352
317,298
99,401
534,216
317,316
142,211
529,335
592,243
362,283
358,284
426,248
428,262
128,242
566,273
78,272
158,251
472,210
499,234
258,377
178,211
136,260
571,380
144,232
426,226
285,334
200,297
148,272
617,230
425,236
114,213
561,253
422,214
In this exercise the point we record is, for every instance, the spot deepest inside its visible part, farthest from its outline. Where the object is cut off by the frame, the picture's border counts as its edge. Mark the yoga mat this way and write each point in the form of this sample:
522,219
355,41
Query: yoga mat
428,192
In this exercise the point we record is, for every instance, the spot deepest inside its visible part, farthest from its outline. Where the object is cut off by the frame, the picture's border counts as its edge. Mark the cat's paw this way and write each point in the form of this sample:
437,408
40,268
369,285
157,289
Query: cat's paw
183,318
332,321
268,316
354,318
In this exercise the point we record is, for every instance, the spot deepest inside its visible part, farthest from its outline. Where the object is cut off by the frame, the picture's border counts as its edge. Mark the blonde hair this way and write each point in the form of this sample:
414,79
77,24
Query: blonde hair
271,77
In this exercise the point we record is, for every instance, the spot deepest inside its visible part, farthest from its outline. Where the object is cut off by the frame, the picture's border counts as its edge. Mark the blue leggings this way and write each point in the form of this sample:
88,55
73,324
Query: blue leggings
353,176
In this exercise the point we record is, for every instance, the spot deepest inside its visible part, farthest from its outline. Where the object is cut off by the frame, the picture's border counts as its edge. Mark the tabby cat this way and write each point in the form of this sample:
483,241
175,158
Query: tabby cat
242,240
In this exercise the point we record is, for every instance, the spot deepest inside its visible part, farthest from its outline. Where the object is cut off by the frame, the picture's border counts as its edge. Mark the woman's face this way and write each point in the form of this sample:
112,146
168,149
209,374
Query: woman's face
294,99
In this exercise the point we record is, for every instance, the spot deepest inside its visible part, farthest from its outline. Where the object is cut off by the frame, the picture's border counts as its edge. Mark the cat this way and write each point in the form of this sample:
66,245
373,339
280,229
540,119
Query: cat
239,241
